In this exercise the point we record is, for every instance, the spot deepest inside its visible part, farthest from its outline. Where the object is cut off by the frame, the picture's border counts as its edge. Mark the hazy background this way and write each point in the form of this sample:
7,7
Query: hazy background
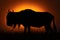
52,6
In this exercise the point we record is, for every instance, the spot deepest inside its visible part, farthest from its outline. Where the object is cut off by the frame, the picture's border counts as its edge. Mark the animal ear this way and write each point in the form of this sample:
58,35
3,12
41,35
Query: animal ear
9,10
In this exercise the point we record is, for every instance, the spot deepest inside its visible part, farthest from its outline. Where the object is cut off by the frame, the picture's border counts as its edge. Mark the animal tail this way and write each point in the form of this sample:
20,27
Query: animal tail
54,26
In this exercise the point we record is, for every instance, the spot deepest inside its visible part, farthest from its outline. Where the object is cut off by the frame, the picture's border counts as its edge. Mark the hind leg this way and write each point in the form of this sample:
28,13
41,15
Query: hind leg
48,28
51,30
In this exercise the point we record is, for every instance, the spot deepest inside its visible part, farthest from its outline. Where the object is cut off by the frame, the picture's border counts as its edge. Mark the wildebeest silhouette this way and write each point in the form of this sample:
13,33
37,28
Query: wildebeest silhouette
29,18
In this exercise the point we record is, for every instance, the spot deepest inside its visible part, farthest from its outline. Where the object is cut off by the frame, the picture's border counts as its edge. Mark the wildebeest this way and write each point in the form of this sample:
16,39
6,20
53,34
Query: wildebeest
31,18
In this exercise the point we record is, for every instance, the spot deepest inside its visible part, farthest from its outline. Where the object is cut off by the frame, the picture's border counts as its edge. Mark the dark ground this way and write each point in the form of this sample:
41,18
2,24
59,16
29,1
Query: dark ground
31,36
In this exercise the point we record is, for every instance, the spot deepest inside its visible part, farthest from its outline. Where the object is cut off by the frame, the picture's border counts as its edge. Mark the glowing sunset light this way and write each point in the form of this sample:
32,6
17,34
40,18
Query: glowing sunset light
23,6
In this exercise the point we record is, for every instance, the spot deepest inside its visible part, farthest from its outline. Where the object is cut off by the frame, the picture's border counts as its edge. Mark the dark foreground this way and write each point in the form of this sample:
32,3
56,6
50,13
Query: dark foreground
31,36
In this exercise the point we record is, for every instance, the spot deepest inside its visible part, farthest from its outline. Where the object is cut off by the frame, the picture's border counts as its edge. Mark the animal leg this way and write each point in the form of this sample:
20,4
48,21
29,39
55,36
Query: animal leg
25,29
18,26
14,25
51,30
28,29
48,27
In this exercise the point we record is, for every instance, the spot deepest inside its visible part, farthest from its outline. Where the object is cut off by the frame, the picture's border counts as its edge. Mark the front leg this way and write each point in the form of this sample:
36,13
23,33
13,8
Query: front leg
29,29
25,29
